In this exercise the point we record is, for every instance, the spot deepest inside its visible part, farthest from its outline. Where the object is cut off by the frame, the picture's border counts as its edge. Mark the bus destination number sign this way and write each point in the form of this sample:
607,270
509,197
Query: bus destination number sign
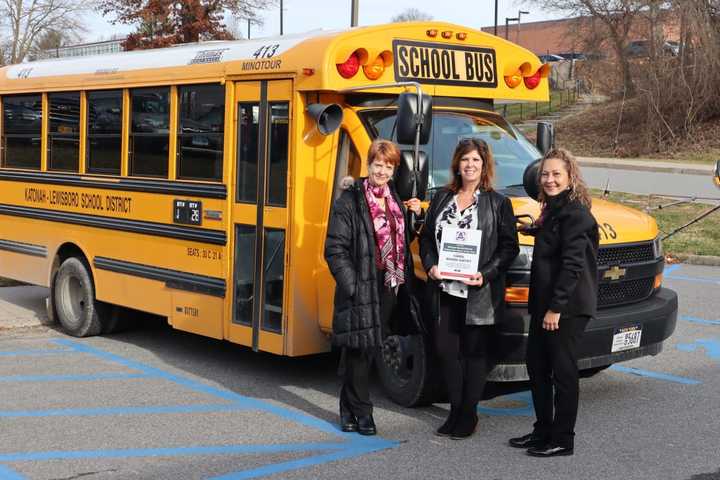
442,64
187,212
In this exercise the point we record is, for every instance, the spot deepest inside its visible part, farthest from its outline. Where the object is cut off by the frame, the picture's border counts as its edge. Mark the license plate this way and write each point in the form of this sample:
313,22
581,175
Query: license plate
626,338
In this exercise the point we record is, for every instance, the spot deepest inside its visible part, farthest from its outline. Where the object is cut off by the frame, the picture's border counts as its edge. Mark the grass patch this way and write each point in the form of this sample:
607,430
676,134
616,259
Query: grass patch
702,238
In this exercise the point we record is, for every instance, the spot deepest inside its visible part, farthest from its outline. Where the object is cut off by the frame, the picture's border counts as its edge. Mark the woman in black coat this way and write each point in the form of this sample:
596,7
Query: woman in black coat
563,299
367,250
466,310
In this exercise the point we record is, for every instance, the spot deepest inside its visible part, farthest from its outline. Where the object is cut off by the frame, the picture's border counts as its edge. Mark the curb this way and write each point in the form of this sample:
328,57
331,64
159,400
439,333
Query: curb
645,168
706,260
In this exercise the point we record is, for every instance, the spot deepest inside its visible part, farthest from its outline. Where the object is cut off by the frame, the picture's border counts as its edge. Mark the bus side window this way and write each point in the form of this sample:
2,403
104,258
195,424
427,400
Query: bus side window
347,164
278,155
64,131
201,132
104,135
149,132
247,152
21,131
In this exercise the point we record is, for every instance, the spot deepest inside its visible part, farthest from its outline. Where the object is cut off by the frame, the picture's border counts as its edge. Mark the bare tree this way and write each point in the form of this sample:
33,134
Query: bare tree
25,21
617,17
411,15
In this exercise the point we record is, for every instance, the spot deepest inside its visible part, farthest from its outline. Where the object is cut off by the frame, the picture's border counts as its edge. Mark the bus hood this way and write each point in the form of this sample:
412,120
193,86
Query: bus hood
617,223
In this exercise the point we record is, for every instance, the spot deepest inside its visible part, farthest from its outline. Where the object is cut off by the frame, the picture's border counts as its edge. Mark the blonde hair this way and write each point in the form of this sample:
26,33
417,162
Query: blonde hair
465,146
578,189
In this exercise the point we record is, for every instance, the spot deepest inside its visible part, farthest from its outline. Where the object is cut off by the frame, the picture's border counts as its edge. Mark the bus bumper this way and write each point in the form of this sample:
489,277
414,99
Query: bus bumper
657,316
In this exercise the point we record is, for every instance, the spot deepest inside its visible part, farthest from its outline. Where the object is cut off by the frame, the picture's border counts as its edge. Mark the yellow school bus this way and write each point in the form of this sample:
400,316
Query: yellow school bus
196,183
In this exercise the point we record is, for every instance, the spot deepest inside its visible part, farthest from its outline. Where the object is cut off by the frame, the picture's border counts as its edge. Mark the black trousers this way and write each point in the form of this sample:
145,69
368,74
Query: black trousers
554,380
464,352
355,363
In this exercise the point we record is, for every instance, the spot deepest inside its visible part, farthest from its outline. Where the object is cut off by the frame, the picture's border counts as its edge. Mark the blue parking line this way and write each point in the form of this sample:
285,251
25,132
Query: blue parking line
670,269
711,347
669,274
169,452
71,378
247,402
39,352
701,321
92,412
658,376
525,411
9,474
350,452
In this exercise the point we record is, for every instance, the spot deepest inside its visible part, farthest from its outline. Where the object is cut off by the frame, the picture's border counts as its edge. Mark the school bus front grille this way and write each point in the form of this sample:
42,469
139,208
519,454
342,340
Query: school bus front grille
626,291
626,254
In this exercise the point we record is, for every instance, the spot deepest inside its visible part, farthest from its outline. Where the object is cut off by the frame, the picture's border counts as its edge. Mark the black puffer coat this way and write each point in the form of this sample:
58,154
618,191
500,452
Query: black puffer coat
350,254
498,249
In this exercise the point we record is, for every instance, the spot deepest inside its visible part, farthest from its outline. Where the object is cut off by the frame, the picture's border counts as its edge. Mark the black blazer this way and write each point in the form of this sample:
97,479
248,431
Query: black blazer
498,250
564,267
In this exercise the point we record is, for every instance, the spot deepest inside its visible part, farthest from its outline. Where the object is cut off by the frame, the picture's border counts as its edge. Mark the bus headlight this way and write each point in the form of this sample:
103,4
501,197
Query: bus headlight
657,247
524,258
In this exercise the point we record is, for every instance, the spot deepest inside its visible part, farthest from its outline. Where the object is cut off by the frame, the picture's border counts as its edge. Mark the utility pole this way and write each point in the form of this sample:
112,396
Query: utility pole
248,28
507,25
496,6
354,13
520,14
281,17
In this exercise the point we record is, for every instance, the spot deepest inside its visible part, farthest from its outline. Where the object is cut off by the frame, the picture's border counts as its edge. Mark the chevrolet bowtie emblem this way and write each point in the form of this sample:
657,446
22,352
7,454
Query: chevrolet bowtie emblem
615,273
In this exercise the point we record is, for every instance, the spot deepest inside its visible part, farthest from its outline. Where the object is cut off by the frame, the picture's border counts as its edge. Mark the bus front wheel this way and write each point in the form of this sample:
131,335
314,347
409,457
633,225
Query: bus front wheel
74,295
406,371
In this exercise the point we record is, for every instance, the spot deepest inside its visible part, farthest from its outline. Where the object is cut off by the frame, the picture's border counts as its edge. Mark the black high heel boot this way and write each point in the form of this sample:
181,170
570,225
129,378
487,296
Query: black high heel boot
446,429
466,423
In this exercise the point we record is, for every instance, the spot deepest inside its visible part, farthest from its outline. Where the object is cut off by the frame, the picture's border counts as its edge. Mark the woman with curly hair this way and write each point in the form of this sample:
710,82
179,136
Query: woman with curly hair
563,299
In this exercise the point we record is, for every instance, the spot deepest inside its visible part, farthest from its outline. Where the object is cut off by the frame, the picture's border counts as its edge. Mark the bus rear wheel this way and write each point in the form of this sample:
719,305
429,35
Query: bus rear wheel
406,372
74,295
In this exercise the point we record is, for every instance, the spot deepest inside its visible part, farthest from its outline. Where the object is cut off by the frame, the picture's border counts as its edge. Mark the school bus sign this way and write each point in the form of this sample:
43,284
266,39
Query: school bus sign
443,64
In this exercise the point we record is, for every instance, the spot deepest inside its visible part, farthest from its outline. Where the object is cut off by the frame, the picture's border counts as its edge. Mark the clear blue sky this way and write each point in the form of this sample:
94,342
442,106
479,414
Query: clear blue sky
305,15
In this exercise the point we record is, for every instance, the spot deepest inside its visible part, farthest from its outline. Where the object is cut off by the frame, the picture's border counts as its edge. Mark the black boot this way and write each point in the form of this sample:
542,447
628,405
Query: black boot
466,423
348,422
446,429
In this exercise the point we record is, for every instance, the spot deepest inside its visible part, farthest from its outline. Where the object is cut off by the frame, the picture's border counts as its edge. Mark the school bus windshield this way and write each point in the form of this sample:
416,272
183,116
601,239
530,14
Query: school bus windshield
511,150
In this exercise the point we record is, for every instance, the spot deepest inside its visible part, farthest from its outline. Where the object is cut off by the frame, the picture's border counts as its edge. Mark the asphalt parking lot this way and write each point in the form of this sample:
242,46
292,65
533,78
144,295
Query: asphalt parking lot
158,404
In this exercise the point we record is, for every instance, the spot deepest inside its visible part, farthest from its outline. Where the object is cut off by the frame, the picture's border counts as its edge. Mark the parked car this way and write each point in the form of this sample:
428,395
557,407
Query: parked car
641,48
573,56
549,57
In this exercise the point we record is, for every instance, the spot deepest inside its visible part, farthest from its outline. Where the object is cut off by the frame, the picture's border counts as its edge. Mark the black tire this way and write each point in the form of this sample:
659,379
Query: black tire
406,371
74,293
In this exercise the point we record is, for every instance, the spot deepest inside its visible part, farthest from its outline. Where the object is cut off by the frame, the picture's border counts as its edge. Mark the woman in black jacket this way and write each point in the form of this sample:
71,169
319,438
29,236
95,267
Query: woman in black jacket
367,250
467,309
563,299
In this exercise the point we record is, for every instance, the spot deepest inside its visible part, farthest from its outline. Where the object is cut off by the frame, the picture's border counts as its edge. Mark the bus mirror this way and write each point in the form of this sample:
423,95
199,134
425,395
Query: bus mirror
530,180
327,117
545,137
717,174
405,174
408,118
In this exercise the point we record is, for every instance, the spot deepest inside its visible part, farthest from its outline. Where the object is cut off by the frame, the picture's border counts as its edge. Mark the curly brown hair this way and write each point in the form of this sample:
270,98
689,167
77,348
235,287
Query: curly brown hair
465,146
578,188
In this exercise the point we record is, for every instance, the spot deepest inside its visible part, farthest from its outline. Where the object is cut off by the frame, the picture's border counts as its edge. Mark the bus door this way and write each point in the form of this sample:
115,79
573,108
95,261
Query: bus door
260,214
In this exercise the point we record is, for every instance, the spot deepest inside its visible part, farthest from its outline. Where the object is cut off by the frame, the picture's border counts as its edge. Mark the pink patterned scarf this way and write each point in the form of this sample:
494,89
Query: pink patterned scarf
388,223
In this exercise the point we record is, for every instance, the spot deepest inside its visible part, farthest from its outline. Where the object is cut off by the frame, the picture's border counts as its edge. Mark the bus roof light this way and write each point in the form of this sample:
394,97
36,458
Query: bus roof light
375,69
447,34
308,72
461,35
513,80
533,80
432,32
349,67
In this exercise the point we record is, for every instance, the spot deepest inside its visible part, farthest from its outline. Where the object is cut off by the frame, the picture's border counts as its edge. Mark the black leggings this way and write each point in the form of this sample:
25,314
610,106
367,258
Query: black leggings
464,351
